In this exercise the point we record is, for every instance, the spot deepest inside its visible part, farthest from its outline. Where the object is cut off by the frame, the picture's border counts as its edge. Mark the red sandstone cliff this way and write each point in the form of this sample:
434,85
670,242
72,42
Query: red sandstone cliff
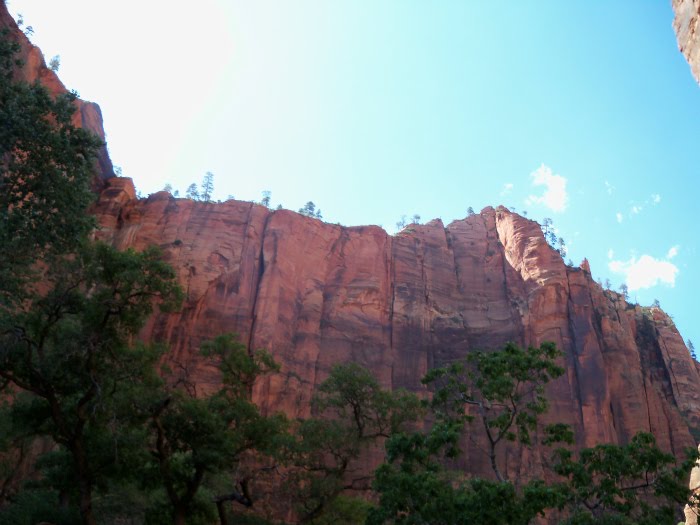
88,114
315,294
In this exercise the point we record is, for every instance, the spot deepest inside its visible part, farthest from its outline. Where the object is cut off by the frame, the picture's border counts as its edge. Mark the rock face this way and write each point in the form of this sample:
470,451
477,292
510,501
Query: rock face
686,24
691,517
316,294
88,114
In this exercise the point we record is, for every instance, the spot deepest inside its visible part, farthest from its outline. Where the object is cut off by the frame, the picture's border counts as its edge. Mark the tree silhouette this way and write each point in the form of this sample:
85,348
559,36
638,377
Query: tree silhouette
207,186
192,192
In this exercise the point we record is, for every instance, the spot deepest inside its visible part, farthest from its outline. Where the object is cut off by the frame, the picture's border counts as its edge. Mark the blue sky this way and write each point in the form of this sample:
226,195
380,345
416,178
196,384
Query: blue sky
374,110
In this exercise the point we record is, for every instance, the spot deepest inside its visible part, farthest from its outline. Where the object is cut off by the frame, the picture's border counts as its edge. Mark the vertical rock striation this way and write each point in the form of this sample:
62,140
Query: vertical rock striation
315,294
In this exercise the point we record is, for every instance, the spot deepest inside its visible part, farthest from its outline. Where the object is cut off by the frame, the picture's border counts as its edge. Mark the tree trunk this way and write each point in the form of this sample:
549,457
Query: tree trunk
221,509
84,482
86,503
179,515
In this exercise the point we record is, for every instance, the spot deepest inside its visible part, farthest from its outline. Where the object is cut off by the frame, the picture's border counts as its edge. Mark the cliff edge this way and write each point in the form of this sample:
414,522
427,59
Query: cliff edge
33,69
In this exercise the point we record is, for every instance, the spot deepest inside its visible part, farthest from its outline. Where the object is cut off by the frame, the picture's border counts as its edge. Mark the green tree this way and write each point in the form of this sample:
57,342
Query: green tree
70,352
310,210
562,247
401,223
196,440
503,391
608,484
546,226
354,412
624,291
55,63
45,173
69,308
192,192
267,196
632,484
207,186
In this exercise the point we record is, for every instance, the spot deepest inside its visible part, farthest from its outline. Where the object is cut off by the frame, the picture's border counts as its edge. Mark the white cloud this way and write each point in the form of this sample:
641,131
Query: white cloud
618,216
611,253
554,197
507,188
647,271
636,209
672,252
655,198
609,188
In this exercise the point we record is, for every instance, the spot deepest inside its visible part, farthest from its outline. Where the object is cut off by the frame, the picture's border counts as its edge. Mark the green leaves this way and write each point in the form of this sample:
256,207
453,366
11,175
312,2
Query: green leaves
636,483
353,413
193,440
633,483
46,167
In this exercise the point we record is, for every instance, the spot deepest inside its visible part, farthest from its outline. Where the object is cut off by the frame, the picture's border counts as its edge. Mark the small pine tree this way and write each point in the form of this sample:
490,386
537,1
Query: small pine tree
401,224
656,304
207,186
415,219
267,196
470,211
168,187
192,192
624,290
562,247
546,226
55,63
309,209
691,349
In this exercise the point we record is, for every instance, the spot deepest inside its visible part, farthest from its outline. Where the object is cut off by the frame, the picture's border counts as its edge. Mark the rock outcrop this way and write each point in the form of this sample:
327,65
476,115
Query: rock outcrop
315,294
691,516
687,24
33,69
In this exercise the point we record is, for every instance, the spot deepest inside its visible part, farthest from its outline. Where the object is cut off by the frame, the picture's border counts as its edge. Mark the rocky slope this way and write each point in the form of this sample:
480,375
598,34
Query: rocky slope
315,294
88,114
686,24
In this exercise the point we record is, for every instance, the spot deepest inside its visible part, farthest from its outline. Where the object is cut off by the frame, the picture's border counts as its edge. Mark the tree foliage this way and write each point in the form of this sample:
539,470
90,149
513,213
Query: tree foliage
207,187
606,484
354,412
196,439
45,173
309,210
503,391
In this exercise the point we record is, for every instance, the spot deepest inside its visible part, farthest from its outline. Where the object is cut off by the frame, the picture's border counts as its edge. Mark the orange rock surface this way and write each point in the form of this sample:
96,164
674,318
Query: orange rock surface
33,68
316,294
